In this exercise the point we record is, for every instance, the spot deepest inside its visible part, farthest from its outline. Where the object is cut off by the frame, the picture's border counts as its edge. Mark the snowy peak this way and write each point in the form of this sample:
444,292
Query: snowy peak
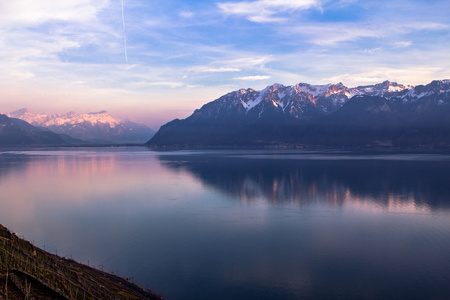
439,86
315,90
70,118
20,112
435,89
305,101
386,88
27,115
390,87
15,132
299,100
98,127
386,114
93,119
338,89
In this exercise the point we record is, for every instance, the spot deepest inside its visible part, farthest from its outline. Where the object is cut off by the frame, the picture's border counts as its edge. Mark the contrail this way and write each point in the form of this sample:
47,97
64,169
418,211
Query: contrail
124,35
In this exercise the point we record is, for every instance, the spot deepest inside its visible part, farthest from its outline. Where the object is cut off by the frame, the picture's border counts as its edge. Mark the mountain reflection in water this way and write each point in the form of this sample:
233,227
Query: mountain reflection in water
240,224
388,183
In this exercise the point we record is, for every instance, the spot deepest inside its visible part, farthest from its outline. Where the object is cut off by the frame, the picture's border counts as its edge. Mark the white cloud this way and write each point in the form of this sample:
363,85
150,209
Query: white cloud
21,75
248,61
426,26
335,33
27,46
252,78
215,70
263,11
186,14
170,84
403,44
71,52
372,50
404,75
326,35
37,12
346,2
68,24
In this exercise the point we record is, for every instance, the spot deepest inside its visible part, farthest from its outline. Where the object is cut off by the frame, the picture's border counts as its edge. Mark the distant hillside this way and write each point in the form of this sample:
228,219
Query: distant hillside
96,127
15,132
381,115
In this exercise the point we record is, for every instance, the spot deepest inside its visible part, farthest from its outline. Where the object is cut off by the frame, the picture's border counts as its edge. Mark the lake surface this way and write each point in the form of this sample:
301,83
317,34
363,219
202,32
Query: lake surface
240,224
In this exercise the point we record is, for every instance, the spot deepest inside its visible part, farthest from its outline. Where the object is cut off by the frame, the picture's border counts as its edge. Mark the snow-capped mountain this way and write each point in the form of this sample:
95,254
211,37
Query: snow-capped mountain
99,127
305,101
15,132
281,114
70,118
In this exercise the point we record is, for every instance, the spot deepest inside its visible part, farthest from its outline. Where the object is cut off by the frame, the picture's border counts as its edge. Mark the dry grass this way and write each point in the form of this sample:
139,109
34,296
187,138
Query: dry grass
28,272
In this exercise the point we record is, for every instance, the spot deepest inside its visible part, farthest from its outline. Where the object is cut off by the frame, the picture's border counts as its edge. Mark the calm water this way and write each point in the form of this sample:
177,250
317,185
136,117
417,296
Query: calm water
240,224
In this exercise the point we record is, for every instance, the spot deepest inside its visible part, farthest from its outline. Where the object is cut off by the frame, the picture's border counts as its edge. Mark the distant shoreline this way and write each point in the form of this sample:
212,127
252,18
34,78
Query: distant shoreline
281,147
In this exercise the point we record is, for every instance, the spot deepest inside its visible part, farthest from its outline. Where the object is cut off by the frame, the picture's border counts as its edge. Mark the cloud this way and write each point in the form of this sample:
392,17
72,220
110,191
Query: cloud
244,60
215,70
38,12
372,51
405,75
334,33
170,84
29,46
33,31
252,78
327,35
71,53
426,26
21,75
403,44
264,11
186,14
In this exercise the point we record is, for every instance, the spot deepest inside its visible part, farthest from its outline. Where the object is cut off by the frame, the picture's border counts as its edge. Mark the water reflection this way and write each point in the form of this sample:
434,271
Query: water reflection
394,185
176,221
8,162
36,184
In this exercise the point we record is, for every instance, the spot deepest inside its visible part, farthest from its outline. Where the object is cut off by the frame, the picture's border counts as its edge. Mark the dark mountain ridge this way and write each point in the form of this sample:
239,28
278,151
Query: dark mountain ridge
15,132
386,114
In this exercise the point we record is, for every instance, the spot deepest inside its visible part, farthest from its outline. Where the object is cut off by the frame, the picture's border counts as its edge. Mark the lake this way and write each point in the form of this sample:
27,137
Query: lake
240,224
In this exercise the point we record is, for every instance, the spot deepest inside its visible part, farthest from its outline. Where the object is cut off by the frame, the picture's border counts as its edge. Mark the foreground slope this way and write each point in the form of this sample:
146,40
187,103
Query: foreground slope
385,114
27,272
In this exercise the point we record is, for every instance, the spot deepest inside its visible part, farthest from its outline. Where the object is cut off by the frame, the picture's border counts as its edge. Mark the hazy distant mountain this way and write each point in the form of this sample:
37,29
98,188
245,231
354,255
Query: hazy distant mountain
97,127
385,114
15,132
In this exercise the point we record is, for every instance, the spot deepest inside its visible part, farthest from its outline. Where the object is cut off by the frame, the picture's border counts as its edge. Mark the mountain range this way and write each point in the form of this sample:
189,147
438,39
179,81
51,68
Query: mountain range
16,132
96,127
387,114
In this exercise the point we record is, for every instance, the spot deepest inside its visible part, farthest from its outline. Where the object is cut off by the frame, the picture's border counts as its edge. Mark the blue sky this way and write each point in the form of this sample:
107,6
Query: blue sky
60,56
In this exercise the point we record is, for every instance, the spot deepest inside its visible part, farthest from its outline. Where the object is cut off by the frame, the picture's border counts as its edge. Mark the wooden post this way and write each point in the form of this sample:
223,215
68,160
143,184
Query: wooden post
6,286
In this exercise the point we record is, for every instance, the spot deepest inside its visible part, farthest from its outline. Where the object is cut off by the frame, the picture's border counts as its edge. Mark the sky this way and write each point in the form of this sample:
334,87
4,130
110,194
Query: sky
152,61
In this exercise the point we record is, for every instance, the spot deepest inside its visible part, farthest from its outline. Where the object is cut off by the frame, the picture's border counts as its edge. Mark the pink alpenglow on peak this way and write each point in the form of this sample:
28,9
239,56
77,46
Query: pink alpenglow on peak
97,127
